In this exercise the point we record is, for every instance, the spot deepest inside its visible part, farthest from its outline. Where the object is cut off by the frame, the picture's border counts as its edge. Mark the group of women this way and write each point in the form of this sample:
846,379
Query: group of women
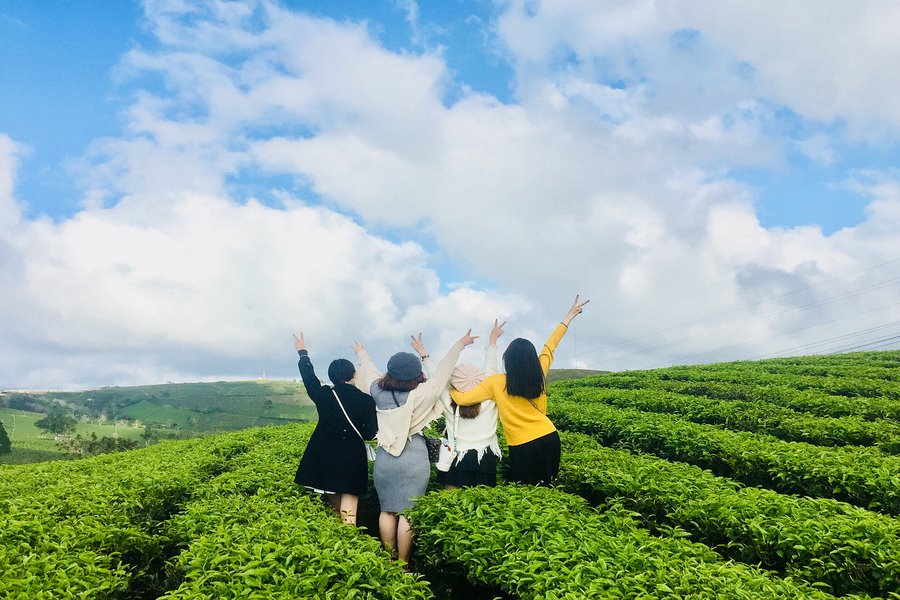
396,405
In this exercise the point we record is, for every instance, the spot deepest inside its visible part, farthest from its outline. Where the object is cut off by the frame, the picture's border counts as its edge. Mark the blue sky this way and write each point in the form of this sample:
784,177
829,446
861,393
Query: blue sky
686,163
58,64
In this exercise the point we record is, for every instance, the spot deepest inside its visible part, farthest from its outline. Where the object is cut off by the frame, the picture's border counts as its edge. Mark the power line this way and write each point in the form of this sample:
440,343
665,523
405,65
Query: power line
886,342
830,340
883,345
740,308
739,325
783,333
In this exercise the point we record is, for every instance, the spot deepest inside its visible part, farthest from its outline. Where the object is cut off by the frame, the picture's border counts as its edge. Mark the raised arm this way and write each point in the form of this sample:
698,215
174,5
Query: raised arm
490,353
428,365
366,373
440,377
419,346
314,387
546,356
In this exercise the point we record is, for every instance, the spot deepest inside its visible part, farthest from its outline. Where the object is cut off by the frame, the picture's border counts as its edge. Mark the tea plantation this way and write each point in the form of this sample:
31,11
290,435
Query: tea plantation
770,479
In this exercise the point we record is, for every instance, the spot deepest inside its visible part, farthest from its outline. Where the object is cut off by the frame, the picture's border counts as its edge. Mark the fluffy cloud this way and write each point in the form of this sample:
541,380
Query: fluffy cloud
9,157
825,60
200,286
608,176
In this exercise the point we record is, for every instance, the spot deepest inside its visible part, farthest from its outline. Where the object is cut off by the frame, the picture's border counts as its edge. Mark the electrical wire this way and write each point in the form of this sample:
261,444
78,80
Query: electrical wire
742,324
825,342
739,309
886,342
783,333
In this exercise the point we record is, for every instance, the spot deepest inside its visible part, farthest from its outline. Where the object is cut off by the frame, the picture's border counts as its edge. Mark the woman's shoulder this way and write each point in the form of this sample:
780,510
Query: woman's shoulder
347,390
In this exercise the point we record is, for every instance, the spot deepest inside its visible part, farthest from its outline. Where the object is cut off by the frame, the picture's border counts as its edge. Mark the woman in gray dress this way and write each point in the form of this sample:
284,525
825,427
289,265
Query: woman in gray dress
405,403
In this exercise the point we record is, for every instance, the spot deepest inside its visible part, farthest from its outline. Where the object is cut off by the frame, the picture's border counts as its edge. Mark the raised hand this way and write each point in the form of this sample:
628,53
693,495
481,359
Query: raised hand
299,342
496,332
357,347
575,310
419,346
468,339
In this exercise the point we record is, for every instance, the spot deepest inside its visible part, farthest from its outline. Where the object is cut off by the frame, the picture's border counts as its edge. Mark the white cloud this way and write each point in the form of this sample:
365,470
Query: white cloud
195,286
825,60
10,211
619,192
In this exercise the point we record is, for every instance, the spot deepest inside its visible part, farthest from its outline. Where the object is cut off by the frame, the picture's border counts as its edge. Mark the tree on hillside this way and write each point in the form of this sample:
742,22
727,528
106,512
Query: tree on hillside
92,445
149,435
5,445
57,423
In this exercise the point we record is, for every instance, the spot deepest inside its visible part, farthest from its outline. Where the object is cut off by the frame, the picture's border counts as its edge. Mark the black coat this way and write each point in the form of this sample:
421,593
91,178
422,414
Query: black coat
335,458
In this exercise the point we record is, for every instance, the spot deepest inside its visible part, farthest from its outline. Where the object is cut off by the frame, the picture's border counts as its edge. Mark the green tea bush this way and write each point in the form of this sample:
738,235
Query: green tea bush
818,540
753,416
531,542
862,476
864,385
92,527
281,547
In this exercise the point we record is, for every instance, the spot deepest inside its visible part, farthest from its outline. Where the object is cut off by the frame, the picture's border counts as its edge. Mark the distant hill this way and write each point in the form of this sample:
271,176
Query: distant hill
198,407
559,374
195,407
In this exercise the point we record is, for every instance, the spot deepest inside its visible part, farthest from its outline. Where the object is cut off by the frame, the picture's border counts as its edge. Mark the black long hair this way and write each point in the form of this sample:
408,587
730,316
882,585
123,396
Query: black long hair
524,375
341,370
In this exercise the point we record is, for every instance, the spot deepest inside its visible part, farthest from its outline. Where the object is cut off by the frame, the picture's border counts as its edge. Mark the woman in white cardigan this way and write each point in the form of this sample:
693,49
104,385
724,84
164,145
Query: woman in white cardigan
472,430
405,403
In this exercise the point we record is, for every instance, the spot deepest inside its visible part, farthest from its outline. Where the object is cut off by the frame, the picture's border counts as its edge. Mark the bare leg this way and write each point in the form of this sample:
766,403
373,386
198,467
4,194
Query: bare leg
404,539
335,501
387,529
348,505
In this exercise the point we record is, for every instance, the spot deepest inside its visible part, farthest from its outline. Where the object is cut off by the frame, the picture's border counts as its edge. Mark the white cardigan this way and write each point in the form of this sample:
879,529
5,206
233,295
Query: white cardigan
423,405
479,433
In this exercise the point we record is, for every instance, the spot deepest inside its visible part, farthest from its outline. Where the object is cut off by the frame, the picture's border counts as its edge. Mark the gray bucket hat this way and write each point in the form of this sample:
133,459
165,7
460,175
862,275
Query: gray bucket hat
404,366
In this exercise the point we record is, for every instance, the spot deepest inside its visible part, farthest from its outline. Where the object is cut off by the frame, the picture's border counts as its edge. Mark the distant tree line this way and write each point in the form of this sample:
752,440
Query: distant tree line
27,402
91,445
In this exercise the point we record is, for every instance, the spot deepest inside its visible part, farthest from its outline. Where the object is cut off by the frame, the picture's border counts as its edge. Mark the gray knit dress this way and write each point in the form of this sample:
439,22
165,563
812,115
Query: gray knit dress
399,479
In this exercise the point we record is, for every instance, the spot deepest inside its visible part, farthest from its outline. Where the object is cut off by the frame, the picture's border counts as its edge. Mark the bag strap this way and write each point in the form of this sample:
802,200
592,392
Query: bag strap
451,434
341,404
394,396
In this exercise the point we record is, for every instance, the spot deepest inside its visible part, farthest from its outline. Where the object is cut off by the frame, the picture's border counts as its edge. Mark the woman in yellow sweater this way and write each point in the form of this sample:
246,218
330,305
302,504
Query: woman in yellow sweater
534,447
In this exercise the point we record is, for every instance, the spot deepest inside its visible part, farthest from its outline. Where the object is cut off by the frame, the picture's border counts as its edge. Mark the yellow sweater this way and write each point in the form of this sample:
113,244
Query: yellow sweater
523,420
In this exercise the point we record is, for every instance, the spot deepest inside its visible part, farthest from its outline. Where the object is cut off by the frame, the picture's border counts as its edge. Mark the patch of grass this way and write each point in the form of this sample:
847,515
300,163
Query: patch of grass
148,411
30,444
182,409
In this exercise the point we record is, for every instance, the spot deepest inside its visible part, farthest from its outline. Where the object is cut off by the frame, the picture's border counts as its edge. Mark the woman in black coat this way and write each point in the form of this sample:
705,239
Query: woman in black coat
335,462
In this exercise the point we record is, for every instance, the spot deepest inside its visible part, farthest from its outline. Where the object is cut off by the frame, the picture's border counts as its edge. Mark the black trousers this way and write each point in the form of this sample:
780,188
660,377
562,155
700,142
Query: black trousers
535,462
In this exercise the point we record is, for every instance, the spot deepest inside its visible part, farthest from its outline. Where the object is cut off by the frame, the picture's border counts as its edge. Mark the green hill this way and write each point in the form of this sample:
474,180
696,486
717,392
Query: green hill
198,407
175,409
222,405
